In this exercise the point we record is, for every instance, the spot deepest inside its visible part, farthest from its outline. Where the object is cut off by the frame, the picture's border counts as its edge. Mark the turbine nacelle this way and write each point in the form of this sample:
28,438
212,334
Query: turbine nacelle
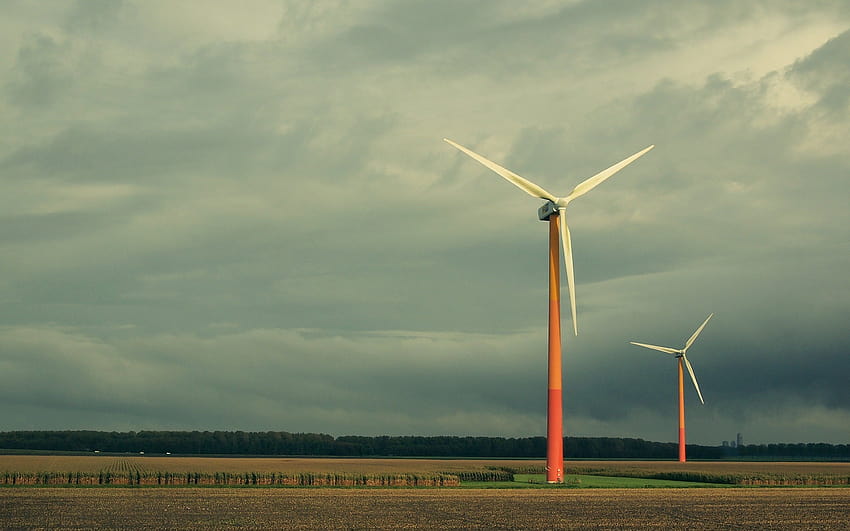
547,210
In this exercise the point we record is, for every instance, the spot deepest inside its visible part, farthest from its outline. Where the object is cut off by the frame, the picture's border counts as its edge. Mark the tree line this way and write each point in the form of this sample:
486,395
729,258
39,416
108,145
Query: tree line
317,444
807,450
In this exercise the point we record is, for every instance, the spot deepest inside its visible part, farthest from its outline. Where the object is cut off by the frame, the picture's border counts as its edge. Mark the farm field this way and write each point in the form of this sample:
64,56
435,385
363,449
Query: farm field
730,472
95,463
227,471
228,508
718,467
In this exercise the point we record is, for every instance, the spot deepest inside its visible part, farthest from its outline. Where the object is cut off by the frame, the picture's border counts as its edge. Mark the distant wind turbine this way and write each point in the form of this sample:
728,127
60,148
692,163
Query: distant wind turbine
681,355
553,210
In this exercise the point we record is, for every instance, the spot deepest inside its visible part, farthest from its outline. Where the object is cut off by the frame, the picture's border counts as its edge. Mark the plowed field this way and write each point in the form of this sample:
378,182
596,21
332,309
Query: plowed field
208,508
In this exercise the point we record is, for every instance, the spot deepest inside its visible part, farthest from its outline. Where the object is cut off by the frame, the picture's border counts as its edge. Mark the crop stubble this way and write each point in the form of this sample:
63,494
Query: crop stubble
779,508
92,463
170,470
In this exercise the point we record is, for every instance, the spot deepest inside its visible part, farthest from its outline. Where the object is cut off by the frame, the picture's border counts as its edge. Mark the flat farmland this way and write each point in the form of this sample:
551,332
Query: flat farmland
138,470
717,467
95,463
216,508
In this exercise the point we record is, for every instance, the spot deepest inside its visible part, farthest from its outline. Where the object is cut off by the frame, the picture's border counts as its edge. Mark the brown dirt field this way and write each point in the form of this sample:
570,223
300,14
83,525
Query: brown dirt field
719,467
95,463
781,508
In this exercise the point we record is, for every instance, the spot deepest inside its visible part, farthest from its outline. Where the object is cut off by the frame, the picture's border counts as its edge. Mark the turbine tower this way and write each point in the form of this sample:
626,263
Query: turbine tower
554,210
681,355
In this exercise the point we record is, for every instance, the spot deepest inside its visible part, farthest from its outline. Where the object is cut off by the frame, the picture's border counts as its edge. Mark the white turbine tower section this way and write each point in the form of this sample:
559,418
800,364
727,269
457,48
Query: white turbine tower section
554,203
682,353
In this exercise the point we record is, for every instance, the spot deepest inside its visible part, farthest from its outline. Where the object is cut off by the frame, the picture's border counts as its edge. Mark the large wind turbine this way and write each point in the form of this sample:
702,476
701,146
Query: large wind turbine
554,210
681,354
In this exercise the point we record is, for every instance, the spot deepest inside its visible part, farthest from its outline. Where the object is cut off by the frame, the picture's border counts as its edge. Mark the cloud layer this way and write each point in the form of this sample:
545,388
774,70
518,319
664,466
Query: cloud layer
222,218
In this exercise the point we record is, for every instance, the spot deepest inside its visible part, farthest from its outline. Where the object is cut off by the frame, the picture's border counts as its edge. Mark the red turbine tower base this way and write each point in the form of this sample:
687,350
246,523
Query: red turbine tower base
681,413
555,415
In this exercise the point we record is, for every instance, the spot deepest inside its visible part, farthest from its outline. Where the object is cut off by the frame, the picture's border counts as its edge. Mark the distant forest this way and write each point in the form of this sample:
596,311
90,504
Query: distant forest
315,444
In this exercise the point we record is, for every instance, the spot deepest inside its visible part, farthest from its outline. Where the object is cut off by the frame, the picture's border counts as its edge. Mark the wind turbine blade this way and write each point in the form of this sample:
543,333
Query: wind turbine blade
655,347
527,186
568,263
694,378
597,179
694,337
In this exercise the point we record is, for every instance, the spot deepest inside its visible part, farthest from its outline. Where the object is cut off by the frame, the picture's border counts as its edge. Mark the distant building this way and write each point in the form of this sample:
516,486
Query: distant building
725,444
740,440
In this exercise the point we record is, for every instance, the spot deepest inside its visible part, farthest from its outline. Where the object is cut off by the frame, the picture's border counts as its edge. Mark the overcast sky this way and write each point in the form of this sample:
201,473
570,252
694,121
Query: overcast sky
244,217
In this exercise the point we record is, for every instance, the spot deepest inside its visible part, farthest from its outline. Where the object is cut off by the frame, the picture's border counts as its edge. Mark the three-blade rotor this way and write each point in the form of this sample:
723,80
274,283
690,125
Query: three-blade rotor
559,202
682,353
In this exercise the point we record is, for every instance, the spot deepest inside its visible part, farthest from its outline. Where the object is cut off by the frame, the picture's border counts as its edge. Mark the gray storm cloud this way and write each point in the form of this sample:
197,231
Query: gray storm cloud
222,218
